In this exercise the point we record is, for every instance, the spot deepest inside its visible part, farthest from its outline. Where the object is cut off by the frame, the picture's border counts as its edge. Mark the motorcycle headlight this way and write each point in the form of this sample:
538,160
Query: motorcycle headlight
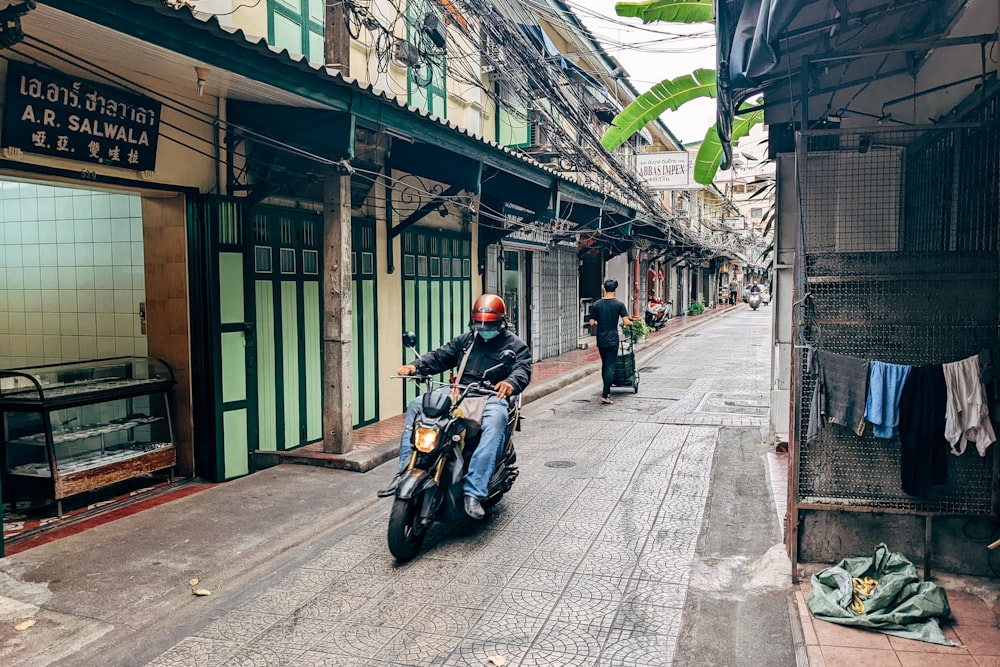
425,439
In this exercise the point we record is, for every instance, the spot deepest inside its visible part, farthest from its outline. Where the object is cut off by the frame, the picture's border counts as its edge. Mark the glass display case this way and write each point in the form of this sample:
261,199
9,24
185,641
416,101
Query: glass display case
70,428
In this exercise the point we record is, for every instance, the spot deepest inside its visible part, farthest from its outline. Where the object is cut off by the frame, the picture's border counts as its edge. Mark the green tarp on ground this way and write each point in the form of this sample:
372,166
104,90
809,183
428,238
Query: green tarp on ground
900,604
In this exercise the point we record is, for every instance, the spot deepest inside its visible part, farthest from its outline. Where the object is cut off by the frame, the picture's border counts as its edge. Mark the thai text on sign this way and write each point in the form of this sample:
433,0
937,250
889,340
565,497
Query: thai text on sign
664,170
50,113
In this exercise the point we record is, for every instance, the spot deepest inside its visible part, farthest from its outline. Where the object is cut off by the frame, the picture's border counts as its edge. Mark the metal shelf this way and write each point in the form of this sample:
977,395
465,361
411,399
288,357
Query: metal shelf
90,432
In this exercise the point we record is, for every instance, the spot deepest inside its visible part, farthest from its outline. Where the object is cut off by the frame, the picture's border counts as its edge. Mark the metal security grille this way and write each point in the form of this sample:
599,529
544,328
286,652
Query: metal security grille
898,263
556,306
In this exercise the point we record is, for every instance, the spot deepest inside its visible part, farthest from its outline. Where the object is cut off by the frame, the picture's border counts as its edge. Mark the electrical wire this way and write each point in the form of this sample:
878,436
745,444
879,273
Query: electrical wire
525,79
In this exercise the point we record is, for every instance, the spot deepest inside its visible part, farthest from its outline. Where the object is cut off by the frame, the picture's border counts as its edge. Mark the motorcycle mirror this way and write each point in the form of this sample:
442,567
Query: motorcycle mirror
409,339
507,357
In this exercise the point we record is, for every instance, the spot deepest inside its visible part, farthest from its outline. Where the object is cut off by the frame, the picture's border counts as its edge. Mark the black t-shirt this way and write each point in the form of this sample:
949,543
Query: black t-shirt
607,312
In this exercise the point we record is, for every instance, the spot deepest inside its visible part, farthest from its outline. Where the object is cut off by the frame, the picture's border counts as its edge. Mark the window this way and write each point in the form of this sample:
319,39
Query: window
297,25
756,212
427,82
513,129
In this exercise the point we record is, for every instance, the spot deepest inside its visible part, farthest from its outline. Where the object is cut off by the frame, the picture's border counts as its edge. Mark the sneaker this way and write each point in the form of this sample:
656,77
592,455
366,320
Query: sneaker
474,508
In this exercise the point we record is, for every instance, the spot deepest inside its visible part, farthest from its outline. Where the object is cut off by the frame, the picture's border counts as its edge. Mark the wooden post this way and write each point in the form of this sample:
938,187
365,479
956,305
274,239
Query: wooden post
337,314
337,43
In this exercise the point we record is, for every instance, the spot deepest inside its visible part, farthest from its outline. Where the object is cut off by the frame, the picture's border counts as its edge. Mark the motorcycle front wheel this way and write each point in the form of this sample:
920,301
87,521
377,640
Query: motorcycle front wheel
406,535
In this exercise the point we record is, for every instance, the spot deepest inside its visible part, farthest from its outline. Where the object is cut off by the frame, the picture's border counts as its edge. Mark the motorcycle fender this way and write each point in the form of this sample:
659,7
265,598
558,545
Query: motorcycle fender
413,483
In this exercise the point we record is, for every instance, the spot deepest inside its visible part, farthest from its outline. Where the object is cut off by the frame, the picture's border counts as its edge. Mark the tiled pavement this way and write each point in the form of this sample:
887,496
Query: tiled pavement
586,562
581,565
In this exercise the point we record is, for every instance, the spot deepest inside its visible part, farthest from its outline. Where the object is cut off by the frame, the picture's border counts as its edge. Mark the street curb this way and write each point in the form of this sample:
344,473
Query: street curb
368,458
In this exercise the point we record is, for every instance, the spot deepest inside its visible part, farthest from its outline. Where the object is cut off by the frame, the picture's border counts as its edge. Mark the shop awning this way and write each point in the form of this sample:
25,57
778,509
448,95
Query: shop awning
824,56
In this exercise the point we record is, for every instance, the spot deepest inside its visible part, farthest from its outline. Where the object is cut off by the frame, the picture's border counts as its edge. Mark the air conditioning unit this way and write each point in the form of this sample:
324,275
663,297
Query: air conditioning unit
435,29
493,55
406,54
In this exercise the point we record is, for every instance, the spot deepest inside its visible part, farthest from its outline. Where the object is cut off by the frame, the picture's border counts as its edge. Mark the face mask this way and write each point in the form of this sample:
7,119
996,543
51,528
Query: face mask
486,334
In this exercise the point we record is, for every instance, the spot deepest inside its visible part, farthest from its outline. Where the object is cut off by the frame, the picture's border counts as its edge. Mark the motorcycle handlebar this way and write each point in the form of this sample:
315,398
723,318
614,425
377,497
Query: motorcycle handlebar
477,387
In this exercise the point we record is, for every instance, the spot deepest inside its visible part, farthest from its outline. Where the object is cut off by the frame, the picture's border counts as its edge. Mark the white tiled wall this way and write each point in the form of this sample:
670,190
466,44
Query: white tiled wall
71,274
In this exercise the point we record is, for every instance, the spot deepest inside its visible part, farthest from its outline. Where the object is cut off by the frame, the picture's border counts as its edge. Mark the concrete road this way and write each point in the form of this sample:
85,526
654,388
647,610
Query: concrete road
641,533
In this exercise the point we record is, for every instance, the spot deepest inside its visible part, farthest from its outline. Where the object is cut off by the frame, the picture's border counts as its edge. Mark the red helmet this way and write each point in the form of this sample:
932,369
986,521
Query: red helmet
489,312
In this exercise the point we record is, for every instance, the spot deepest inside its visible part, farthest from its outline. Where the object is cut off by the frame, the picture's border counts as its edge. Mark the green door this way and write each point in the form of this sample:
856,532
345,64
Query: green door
437,289
233,337
365,343
289,365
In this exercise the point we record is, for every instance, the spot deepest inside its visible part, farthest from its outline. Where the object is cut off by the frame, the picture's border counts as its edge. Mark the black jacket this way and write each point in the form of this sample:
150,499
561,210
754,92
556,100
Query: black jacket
485,355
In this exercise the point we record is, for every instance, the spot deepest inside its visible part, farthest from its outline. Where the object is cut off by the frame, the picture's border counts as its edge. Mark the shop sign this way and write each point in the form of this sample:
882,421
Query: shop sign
665,170
50,113
537,234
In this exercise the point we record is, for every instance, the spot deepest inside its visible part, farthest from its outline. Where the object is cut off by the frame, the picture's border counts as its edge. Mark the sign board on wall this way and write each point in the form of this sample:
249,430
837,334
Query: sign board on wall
665,171
536,235
50,113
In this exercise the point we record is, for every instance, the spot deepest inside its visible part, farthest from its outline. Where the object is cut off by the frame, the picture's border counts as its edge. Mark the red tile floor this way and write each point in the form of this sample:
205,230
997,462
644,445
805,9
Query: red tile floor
975,624
973,628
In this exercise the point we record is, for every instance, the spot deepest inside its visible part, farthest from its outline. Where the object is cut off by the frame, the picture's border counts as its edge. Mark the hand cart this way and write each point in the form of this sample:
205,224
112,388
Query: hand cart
626,374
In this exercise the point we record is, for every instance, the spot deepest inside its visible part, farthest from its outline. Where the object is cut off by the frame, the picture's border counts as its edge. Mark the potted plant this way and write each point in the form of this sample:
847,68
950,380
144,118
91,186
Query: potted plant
638,329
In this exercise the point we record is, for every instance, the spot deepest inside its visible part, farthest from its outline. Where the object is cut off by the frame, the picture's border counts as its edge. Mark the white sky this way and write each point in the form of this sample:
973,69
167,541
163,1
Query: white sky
653,52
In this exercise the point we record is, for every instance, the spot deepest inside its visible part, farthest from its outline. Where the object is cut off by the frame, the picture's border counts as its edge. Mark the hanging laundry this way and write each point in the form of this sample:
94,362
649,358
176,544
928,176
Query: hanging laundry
885,384
841,391
924,450
967,414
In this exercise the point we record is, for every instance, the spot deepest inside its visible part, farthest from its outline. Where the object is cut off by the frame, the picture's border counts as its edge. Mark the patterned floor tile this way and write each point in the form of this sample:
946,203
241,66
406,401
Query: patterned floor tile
356,640
506,626
443,620
332,606
196,652
568,638
238,626
476,653
262,654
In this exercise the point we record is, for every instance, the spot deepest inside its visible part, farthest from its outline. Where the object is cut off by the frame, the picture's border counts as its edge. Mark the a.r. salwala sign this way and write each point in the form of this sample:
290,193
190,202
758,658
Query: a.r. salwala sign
50,113
665,170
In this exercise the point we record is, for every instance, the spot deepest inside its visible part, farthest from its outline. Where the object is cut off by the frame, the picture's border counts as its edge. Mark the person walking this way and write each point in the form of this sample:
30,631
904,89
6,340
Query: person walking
604,315
734,288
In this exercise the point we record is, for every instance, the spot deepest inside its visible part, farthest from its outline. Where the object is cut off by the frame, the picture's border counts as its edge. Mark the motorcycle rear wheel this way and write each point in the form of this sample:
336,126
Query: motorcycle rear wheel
405,534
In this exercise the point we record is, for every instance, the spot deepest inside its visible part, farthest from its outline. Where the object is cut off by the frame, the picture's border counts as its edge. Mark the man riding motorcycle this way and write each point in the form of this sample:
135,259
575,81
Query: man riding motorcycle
489,337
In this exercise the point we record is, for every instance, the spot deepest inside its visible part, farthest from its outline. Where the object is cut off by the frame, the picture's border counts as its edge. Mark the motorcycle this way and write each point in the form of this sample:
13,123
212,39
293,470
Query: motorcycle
754,300
657,313
430,488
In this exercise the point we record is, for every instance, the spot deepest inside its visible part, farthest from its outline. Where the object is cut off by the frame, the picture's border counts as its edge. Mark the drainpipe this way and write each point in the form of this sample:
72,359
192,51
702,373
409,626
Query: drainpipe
635,286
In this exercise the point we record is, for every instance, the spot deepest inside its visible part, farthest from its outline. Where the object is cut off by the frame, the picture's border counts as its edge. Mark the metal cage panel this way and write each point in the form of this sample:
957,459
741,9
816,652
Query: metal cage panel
897,262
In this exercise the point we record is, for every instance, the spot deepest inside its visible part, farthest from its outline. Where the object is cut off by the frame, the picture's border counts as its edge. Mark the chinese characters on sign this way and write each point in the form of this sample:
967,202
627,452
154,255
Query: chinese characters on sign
49,113
664,171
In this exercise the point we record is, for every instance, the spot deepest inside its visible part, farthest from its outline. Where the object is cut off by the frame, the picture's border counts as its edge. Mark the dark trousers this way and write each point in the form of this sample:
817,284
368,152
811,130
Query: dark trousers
732,298
608,357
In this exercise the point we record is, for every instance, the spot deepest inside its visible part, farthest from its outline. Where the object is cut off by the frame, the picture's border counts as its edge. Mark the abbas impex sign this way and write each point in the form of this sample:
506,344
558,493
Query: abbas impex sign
50,113
665,170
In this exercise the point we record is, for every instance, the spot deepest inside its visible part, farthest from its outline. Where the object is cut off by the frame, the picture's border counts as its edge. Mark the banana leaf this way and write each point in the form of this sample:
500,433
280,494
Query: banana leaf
709,157
672,11
661,97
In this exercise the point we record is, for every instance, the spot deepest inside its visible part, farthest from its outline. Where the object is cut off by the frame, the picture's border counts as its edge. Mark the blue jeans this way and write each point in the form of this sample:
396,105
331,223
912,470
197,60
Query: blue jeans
484,459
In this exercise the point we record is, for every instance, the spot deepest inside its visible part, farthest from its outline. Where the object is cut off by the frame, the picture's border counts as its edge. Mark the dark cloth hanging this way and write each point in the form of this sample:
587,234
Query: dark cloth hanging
841,391
989,373
924,451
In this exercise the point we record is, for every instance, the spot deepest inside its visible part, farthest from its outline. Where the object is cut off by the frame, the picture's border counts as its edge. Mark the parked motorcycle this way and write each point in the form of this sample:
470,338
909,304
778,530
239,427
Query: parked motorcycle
658,313
754,300
430,488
